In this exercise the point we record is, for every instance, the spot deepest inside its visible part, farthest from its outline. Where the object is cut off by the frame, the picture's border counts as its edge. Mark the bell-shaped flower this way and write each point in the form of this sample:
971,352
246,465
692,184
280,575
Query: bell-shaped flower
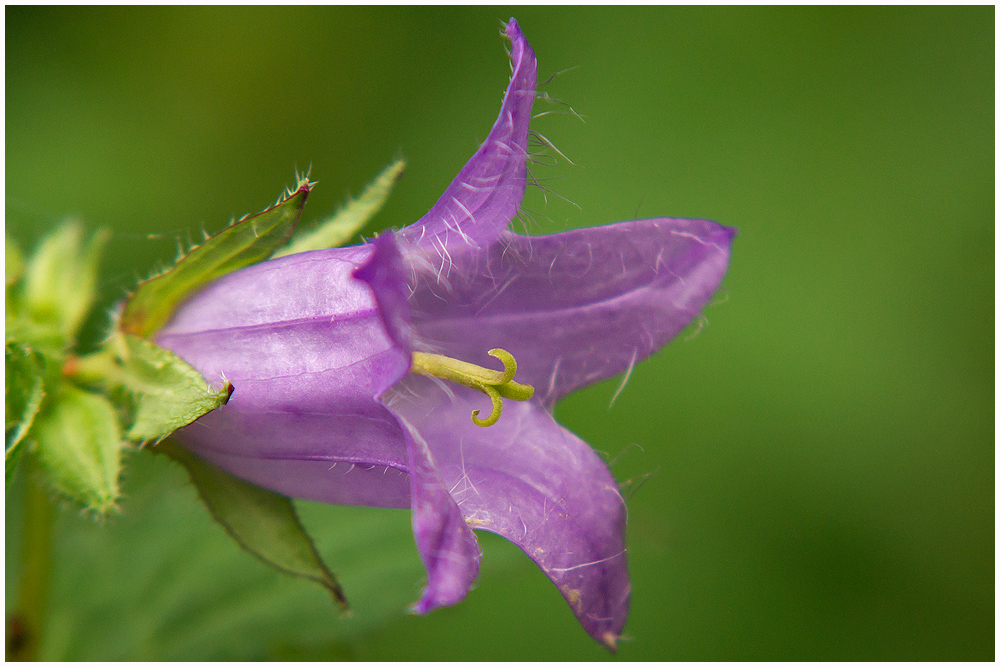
356,370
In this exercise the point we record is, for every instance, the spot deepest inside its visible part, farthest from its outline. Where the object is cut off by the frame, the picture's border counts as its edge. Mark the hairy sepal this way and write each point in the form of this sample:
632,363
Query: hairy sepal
78,441
347,222
250,240
57,289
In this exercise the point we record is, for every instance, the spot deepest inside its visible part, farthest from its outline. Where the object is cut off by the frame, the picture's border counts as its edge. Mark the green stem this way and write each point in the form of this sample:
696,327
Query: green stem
25,625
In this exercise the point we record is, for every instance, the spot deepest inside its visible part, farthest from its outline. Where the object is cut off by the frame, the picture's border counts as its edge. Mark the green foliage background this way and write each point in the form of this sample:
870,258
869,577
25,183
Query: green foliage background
823,447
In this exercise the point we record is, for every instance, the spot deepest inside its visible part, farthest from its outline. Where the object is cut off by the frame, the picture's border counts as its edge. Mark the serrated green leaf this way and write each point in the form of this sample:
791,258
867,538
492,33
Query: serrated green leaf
169,392
60,281
351,218
262,522
23,393
13,263
248,241
77,440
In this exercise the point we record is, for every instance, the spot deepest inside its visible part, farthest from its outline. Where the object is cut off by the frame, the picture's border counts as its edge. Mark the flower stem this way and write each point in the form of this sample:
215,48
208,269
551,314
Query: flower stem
25,624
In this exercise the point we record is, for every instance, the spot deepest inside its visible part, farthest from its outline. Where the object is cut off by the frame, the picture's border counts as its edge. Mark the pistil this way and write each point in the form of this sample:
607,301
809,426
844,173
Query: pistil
495,384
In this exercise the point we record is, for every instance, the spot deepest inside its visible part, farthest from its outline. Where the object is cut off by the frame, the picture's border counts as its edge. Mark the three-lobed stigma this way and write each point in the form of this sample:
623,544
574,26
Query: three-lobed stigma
495,384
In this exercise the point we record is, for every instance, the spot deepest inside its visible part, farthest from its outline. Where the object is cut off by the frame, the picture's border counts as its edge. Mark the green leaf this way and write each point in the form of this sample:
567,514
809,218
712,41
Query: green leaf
351,218
60,281
262,522
23,393
250,240
77,439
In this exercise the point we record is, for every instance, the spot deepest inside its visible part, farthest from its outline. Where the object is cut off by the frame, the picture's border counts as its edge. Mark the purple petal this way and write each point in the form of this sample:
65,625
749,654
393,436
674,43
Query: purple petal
577,307
306,349
385,274
289,289
334,474
484,197
447,547
538,485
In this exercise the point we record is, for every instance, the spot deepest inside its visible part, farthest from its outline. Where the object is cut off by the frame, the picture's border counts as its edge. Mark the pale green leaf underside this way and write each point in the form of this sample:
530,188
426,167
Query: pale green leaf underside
351,218
262,522
248,241
77,439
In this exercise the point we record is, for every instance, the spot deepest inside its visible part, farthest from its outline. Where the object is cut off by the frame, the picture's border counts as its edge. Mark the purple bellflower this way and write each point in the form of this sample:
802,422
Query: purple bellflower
354,378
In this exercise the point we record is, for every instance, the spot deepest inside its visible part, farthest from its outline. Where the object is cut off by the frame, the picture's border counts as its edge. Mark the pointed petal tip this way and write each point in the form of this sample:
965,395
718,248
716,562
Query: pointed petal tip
708,231
610,641
420,607
484,197
513,30
721,237
726,234
432,599
519,49
521,53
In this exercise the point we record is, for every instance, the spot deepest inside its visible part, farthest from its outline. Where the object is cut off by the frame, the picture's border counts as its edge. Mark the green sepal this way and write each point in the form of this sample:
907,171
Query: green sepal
250,240
23,393
77,439
170,392
166,392
343,225
59,286
262,522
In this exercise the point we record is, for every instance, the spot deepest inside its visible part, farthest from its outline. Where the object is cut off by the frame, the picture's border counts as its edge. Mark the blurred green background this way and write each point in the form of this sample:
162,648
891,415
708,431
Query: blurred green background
823,447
